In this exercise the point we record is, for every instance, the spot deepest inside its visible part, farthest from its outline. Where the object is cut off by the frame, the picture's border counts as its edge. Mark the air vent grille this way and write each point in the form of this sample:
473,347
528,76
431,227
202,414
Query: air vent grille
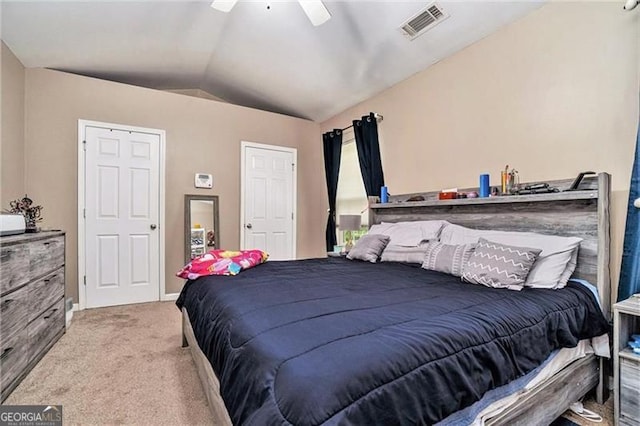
437,13
423,21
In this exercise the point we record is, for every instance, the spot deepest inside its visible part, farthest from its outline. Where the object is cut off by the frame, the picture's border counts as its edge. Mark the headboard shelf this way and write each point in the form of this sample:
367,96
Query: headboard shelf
554,196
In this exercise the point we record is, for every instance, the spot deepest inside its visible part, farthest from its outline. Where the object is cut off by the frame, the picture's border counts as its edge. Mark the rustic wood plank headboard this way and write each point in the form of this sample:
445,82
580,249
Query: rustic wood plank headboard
583,213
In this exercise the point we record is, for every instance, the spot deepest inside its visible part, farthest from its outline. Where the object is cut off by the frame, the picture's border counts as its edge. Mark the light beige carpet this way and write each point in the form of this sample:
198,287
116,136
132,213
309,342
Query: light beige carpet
120,365
124,365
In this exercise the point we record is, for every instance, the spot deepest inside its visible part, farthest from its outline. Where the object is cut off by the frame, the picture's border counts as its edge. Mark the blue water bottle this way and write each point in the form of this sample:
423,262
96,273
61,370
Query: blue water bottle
384,194
484,185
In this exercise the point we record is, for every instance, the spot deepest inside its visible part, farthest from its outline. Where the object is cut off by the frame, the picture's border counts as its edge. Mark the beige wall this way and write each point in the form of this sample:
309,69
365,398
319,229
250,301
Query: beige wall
202,136
553,94
12,128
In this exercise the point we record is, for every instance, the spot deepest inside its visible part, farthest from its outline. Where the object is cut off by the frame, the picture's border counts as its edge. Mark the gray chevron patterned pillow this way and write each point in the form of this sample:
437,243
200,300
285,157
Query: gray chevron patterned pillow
499,265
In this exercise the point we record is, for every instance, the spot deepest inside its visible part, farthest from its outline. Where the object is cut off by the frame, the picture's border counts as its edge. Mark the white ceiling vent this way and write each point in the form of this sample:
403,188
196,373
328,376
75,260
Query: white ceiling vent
423,21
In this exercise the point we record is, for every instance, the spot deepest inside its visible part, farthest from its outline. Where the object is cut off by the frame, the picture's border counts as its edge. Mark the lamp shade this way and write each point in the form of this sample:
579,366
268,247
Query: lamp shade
349,222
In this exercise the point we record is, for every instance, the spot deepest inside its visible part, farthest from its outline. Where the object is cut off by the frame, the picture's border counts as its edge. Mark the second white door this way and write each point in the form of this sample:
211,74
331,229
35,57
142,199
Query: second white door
268,198
122,172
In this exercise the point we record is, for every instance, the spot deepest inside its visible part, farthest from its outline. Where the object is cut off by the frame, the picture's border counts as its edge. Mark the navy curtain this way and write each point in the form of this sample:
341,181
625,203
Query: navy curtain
630,270
332,142
366,132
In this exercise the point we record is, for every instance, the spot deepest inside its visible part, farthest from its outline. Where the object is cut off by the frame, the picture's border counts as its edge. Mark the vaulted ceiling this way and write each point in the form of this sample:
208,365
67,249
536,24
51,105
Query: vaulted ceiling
267,58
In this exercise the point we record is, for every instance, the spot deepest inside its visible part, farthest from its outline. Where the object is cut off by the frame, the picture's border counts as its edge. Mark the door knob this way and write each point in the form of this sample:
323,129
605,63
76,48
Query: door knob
153,226
249,226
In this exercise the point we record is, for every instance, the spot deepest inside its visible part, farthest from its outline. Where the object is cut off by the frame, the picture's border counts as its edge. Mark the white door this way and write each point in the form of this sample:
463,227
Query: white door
268,199
122,250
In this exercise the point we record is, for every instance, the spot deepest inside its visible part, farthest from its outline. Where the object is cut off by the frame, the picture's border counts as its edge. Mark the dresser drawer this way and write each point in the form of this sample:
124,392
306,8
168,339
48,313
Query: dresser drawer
14,264
44,292
14,357
14,312
630,390
45,255
44,328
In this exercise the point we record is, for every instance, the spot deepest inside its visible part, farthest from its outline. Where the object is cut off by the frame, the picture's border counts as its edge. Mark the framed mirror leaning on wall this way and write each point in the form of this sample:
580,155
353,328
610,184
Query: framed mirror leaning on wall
201,225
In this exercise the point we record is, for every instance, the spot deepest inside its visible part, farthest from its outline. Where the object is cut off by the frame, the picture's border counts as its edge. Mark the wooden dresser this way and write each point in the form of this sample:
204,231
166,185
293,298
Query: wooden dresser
32,314
626,370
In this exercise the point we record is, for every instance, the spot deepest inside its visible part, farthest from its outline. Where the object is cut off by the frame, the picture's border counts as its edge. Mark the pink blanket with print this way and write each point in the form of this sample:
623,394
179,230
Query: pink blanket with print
222,262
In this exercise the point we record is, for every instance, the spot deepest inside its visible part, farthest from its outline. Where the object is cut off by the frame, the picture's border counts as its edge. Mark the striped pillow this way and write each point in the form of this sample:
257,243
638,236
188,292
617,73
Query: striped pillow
393,253
499,265
447,258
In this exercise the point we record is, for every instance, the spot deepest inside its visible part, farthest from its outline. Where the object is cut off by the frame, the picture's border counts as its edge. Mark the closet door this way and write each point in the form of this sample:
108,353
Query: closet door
122,174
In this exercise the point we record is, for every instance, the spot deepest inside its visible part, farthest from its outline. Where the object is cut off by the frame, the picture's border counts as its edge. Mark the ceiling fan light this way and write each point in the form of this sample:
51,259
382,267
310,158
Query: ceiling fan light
223,5
631,4
316,11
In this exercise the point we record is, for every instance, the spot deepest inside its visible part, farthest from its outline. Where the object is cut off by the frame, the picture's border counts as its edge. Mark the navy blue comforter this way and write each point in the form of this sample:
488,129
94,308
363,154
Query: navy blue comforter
331,341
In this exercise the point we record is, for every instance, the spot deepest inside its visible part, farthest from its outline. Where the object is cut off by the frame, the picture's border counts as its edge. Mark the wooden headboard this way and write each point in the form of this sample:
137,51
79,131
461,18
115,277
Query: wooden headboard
583,213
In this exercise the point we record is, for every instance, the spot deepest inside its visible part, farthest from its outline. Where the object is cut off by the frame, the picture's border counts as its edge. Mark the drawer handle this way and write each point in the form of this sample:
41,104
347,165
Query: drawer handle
51,314
6,353
7,302
46,243
46,281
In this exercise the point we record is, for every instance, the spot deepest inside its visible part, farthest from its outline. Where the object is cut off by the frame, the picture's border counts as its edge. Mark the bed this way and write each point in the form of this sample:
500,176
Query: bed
331,341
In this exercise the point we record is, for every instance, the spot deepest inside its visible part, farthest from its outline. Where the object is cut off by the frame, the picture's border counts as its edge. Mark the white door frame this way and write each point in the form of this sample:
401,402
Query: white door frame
294,152
82,125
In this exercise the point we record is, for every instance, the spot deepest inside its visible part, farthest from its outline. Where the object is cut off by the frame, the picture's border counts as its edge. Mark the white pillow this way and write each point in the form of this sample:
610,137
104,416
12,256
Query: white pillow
379,228
571,266
410,234
554,265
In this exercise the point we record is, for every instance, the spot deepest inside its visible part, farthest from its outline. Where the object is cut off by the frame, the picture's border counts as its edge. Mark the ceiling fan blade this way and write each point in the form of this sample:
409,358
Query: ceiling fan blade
316,11
223,5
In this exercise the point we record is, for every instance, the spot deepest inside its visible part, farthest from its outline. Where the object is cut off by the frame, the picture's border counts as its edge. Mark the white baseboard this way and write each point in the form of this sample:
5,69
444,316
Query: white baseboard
170,297
69,314
166,298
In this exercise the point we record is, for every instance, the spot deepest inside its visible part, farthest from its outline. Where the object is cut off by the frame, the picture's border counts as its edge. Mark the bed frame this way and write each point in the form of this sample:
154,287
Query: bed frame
582,213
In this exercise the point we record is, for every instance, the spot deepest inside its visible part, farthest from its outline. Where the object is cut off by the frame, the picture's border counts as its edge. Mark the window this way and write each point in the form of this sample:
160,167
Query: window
351,196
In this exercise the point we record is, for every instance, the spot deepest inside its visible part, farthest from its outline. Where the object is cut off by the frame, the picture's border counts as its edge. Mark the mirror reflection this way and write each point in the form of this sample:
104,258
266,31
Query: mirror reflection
201,225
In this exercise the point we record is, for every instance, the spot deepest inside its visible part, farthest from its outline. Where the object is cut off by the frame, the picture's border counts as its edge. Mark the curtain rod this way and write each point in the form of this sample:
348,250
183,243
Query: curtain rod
378,117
